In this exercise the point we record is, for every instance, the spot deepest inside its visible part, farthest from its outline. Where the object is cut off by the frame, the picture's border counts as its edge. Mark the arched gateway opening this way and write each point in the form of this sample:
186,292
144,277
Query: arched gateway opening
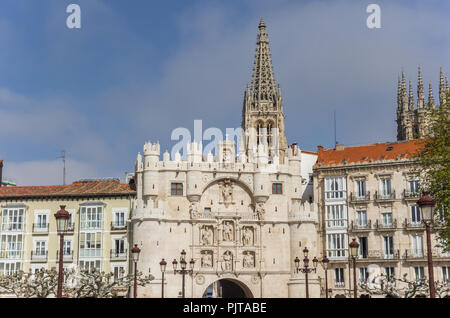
227,288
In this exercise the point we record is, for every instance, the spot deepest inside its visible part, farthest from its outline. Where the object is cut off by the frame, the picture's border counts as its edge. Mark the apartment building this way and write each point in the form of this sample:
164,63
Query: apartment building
97,235
370,193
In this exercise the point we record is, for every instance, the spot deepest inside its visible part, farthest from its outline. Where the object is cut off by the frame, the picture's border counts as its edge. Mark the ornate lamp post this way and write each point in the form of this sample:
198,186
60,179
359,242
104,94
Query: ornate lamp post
305,268
426,204
62,220
183,271
135,252
354,254
162,264
325,262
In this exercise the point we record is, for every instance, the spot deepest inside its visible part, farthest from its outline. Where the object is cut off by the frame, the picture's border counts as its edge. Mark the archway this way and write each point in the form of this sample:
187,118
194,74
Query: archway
227,288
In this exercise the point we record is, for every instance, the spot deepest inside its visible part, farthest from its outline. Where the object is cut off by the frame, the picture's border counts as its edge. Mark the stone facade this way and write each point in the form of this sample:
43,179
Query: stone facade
243,216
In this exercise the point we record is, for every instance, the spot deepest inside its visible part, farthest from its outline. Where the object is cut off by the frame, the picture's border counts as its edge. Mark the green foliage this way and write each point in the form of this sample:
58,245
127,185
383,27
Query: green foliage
434,158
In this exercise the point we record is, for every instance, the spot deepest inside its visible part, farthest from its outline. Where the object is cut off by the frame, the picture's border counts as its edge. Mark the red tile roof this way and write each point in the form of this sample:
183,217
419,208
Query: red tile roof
366,153
78,188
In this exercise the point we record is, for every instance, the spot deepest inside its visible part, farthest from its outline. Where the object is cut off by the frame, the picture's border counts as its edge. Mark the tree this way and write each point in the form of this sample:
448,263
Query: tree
402,287
77,284
434,158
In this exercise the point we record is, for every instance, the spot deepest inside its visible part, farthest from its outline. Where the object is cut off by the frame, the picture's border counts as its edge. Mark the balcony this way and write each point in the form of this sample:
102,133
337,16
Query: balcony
354,198
385,197
381,226
337,255
118,227
67,256
378,255
39,256
411,195
10,254
90,252
422,255
118,255
336,224
355,226
409,225
40,228
70,228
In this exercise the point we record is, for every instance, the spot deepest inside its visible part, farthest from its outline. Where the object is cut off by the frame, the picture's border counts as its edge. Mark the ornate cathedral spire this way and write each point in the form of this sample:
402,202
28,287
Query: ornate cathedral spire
263,83
441,88
404,96
430,96
420,90
446,84
399,95
411,97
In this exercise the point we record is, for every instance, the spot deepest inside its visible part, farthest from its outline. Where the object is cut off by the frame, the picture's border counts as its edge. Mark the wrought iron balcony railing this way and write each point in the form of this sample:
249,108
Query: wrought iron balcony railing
40,256
67,255
118,226
359,226
359,198
380,225
385,197
118,254
40,228
411,194
410,225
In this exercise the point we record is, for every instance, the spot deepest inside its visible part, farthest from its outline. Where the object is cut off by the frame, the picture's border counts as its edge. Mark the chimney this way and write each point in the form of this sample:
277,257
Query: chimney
340,147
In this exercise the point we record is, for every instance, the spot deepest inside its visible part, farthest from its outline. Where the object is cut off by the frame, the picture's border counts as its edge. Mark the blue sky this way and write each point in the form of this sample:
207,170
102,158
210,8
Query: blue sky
137,70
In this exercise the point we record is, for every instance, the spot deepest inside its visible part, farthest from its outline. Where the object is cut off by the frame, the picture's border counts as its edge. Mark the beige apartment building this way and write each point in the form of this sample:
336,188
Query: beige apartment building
369,193
97,235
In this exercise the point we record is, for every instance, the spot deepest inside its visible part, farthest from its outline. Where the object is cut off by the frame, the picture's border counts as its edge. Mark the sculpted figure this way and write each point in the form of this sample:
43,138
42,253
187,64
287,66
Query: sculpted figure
227,261
260,211
228,231
247,237
248,261
193,209
207,259
227,192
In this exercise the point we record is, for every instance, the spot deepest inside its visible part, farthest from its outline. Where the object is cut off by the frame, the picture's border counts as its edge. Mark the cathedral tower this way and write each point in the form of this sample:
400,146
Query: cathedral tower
262,113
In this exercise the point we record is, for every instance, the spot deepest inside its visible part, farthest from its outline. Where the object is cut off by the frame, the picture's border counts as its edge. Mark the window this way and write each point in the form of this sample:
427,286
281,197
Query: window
269,134
417,245
362,218
361,188
207,211
363,247
13,219
8,268
90,244
91,218
119,219
336,216
363,274
339,277
40,248
119,272
11,246
88,265
389,272
387,219
386,187
41,222
67,247
119,246
334,188
388,246
445,274
419,272
71,223
176,189
277,188
414,186
415,215
336,245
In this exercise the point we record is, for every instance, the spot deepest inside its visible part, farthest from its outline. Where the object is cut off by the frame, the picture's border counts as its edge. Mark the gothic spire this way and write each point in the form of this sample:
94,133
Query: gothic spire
263,84
404,94
420,90
399,91
446,84
430,96
411,97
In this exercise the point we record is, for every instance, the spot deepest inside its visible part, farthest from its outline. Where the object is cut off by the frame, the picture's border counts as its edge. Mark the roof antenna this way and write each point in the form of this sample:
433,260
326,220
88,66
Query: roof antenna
335,141
63,156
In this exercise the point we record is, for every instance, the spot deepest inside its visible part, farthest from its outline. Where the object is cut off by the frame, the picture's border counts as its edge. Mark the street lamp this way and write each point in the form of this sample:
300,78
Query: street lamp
426,204
183,271
162,264
62,220
325,262
354,254
305,268
135,253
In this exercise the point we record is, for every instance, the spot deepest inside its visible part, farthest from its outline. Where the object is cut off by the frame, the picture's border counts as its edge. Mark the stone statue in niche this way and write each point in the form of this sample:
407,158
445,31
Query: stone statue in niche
227,264
207,235
228,231
226,188
247,236
259,209
249,260
207,259
193,209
